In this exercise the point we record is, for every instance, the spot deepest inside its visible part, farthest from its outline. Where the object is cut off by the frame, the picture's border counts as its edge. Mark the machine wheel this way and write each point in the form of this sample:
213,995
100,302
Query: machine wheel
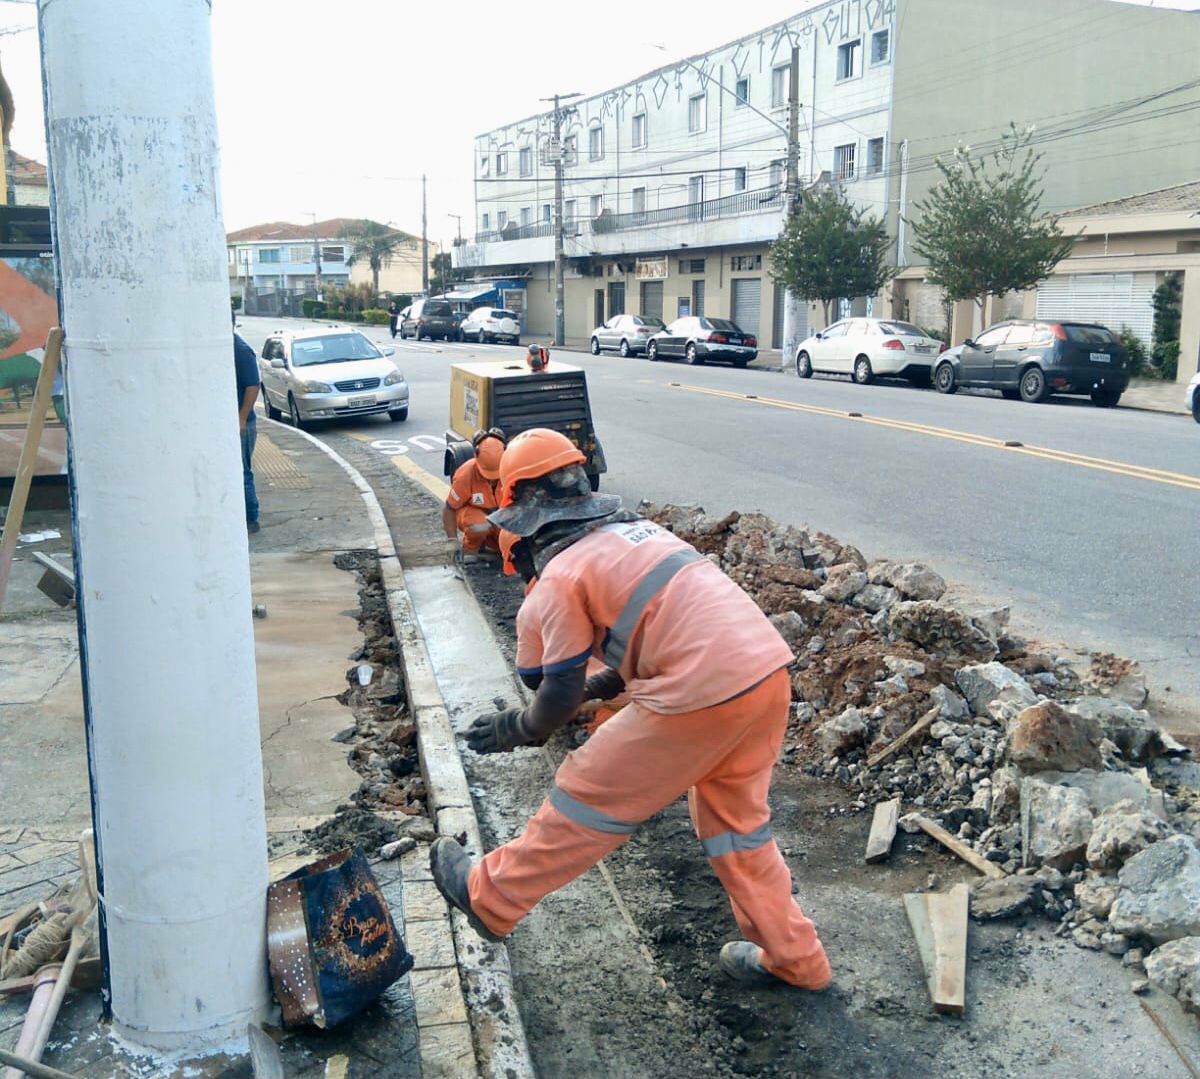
624,349
803,365
693,357
1033,385
652,352
1105,398
594,482
272,412
944,380
863,372
595,347
294,415
398,415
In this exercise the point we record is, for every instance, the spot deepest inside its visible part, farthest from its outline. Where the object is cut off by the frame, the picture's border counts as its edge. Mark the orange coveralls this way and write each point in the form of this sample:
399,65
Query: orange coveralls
472,497
710,703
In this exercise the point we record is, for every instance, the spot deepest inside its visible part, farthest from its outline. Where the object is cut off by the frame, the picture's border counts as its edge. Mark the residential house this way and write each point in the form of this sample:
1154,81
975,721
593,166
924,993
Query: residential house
673,181
276,262
30,184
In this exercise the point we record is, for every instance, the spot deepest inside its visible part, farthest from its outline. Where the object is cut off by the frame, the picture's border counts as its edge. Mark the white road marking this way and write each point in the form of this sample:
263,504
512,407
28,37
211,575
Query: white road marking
389,447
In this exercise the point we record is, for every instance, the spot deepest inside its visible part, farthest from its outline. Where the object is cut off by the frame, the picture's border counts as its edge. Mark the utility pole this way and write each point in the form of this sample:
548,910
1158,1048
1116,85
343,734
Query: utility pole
424,243
557,152
166,642
316,257
791,302
458,219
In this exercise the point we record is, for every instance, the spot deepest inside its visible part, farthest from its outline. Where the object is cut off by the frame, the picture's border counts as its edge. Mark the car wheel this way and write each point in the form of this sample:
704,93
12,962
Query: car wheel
943,378
624,350
803,365
863,373
1196,406
1033,385
740,363
693,357
272,412
398,415
652,351
1105,398
516,341
595,347
294,415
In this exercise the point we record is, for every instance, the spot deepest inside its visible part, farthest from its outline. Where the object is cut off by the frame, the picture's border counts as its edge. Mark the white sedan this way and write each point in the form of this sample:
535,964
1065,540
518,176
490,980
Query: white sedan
866,347
491,324
1193,396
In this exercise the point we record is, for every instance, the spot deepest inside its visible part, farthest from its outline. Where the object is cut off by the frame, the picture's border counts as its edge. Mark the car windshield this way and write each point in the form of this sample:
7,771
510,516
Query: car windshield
1090,335
653,323
722,324
332,348
503,314
901,329
441,308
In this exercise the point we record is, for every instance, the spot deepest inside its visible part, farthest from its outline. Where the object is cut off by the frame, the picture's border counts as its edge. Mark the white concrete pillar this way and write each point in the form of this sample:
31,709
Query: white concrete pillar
165,623
1189,326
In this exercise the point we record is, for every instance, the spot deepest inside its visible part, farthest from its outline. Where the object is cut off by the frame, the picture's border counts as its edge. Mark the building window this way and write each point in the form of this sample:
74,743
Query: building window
546,212
569,213
739,179
849,60
779,86
268,254
639,131
776,173
502,163
596,204
501,219
333,254
843,162
639,200
595,143
881,46
691,266
742,92
526,161
695,189
484,164
875,157
485,222
300,254
571,150
745,263
526,217
697,113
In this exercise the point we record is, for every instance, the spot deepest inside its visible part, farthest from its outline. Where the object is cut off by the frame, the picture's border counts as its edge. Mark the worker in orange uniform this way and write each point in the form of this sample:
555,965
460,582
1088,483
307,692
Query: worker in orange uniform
710,700
473,496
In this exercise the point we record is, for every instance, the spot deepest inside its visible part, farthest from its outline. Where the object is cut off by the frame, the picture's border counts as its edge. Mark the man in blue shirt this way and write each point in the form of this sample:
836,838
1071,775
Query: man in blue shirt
246,369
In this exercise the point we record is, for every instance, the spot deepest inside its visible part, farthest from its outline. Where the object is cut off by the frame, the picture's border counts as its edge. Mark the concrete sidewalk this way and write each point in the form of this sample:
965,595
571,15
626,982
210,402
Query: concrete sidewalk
1154,395
304,647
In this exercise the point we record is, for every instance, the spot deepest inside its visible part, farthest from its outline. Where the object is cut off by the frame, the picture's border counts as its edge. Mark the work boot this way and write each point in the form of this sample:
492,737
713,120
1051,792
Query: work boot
742,961
451,865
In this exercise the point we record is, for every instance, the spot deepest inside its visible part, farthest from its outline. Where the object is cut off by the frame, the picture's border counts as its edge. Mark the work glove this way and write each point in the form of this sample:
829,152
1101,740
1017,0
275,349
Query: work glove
498,732
603,686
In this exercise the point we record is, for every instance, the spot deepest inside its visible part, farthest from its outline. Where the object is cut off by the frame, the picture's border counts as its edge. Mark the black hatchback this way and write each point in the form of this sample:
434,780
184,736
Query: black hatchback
1033,360
430,318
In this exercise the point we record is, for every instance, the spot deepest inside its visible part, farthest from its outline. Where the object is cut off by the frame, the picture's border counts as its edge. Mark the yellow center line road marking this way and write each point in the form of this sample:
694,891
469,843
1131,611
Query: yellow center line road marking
1066,457
433,484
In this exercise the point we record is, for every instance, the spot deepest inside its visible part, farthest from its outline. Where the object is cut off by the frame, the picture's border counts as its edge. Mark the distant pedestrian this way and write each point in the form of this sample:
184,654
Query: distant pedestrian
393,315
246,369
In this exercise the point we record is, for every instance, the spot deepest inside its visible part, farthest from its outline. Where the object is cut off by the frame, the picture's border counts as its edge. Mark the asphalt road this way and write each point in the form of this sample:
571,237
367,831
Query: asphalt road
1087,528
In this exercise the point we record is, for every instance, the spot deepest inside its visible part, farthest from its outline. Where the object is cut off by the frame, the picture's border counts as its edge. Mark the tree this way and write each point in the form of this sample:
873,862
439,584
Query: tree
830,249
372,243
443,273
980,227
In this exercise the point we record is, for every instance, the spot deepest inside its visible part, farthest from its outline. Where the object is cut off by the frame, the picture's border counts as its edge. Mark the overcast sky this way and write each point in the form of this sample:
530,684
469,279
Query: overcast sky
338,108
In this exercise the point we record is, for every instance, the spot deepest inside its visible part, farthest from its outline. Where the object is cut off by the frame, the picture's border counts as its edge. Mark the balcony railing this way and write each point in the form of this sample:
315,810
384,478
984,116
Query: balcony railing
744,202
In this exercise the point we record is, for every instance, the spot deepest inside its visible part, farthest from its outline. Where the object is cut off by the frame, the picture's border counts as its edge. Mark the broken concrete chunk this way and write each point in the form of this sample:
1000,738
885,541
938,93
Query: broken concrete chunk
842,732
1160,892
842,582
1133,731
1175,968
1006,796
904,667
876,598
951,704
1045,736
1056,824
1120,832
915,581
792,628
1003,898
1105,789
984,683
1096,895
941,630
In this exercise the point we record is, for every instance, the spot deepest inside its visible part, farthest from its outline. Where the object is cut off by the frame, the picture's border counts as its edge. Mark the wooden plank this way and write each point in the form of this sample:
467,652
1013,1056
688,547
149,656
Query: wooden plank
883,830
939,923
28,460
921,725
989,869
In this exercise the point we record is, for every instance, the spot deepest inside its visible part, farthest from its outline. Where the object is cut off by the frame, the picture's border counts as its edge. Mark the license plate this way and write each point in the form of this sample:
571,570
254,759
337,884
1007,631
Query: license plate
1101,357
360,402
922,348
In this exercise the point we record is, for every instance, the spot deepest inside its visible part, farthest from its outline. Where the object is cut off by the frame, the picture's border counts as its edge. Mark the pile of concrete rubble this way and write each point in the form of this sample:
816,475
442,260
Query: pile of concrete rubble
1063,780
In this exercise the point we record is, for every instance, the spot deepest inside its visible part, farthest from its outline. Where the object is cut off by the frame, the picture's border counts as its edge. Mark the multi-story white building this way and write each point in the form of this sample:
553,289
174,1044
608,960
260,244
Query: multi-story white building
674,181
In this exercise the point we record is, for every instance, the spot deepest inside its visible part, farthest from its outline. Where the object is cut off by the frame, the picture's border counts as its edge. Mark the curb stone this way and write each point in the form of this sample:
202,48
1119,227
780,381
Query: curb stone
455,1005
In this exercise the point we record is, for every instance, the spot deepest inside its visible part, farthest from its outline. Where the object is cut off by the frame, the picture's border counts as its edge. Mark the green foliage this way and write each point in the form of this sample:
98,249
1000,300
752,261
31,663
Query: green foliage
938,334
312,308
351,300
443,275
830,249
374,244
980,228
1165,356
1167,302
1135,351
375,316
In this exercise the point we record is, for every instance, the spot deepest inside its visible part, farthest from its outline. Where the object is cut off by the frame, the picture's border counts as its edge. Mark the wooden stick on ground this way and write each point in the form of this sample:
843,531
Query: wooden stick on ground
921,725
939,923
990,869
1162,1029
29,450
32,1067
883,830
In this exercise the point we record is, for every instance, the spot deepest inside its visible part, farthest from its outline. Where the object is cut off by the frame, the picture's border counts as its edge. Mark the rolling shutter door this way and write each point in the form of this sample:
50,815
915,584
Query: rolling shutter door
652,299
1113,300
747,302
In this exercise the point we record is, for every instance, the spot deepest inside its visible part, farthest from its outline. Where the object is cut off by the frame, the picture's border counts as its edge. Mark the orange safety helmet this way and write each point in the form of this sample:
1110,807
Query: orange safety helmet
533,454
508,541
488,453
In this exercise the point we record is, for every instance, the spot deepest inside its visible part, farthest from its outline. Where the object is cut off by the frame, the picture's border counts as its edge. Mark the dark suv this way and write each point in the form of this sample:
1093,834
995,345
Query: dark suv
430,318
1033,360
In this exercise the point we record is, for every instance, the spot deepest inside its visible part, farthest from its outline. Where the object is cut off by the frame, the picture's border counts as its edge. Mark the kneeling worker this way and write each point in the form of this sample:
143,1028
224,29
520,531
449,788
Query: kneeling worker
473,496
710,692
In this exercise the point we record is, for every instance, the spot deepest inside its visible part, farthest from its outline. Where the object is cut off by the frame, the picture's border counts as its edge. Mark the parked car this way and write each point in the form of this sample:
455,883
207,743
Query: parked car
491,324
625,333
430,318
866,347
699,339
328,373
1032,360
1192,399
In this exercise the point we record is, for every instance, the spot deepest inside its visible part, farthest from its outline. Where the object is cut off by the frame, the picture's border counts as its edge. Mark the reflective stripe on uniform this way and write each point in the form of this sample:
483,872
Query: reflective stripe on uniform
617,640
575,810
728,842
